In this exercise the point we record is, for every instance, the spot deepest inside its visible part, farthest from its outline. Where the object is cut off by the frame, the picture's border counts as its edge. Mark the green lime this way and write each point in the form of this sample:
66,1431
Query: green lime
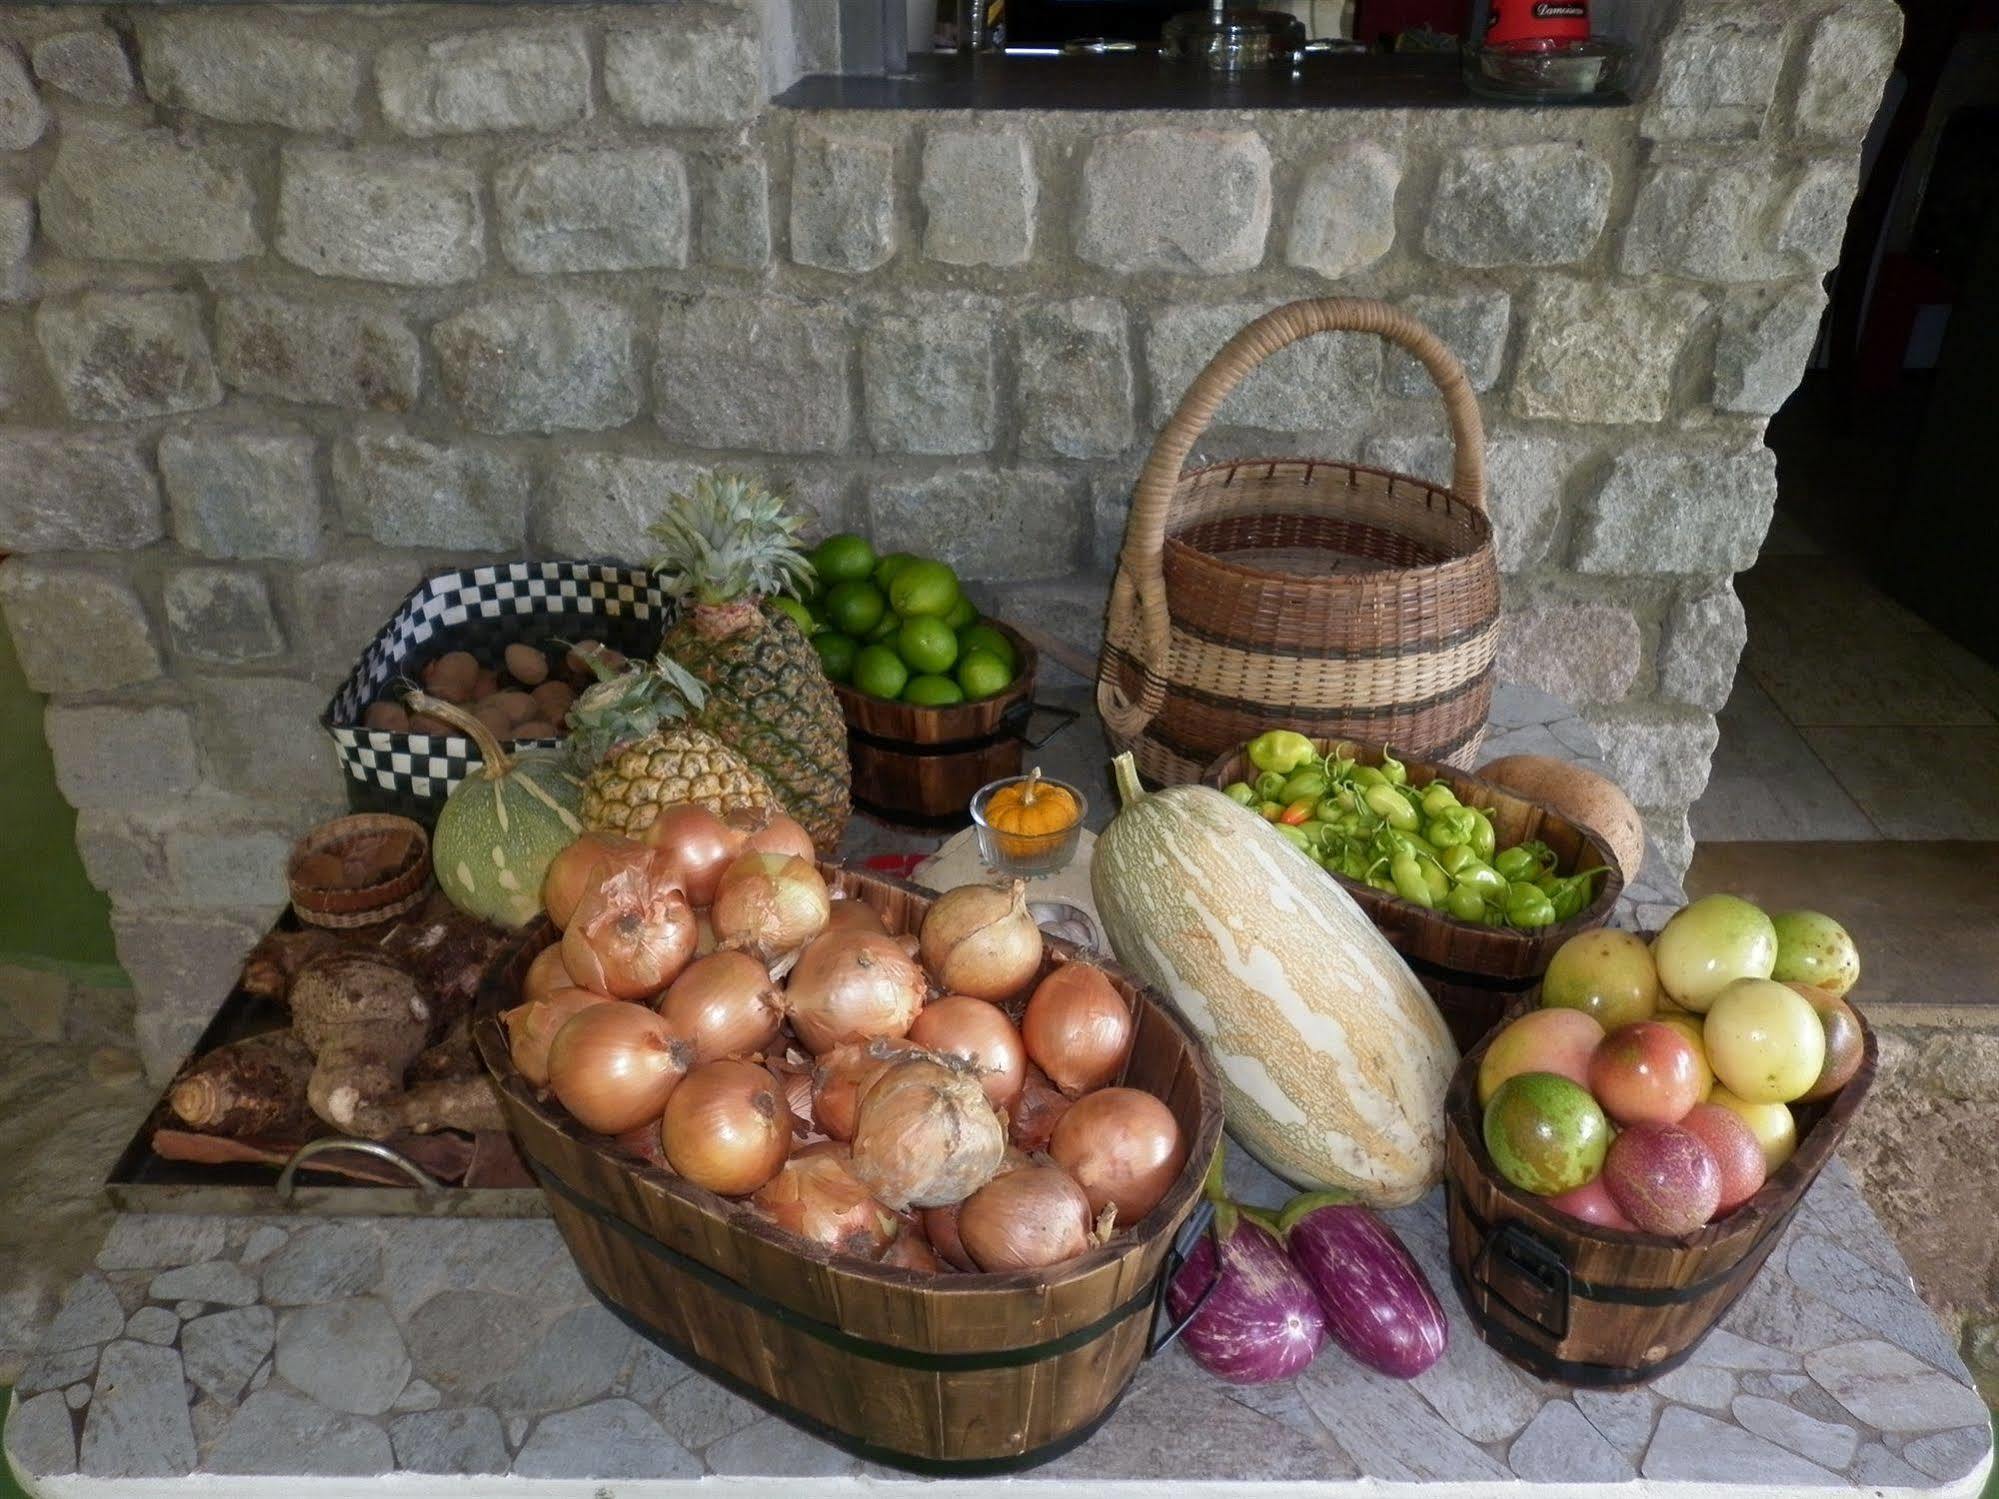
924,587
854,607
926,644
879,672
983,637
843,559
800,615
930,691
885,627
836,653
889,566
981,673
961,614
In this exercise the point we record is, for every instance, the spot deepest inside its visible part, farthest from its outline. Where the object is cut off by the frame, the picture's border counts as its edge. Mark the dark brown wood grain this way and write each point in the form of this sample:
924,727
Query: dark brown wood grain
959,724
932,786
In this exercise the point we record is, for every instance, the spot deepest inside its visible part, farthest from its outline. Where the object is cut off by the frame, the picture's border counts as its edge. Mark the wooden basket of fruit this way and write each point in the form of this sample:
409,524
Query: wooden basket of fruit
1601,1260
817,1193
1474,885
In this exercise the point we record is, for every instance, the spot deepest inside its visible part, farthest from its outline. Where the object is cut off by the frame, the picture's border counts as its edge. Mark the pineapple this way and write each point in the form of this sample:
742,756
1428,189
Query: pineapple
723,548
638,751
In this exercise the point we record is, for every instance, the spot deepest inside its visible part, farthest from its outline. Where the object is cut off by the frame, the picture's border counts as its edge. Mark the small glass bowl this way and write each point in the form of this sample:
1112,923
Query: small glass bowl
1026,855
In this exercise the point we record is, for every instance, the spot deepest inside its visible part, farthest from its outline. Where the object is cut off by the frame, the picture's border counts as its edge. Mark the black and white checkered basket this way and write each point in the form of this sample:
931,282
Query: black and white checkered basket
481,610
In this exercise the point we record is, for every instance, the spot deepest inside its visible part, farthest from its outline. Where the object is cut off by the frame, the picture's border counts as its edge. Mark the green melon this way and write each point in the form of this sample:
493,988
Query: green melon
502,824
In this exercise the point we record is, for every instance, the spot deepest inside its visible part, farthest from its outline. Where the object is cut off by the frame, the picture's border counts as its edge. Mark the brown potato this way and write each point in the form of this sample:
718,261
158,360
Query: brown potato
390,717
453,676
517,705
423,723
535,728
527,665
486,684
577,662
498,721
552,700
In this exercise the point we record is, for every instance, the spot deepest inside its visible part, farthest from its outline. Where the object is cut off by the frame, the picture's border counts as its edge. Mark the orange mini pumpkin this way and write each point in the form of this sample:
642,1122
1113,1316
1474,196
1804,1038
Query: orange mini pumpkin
1028,811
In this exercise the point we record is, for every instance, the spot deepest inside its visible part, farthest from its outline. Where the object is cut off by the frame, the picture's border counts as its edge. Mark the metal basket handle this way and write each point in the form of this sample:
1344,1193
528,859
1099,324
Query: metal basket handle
1140,584
420,1178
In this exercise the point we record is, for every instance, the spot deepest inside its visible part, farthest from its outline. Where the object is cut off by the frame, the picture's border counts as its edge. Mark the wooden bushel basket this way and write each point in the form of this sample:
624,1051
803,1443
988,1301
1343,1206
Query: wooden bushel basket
945,1374
1604,1307
1475,973
1341,600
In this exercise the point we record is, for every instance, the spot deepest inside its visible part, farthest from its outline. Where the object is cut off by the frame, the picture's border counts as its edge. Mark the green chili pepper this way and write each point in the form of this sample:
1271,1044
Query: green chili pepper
1352,863
1514,864
1456,857
1241,793
1528,906
1382,883
1465,903
1270,786
1345,800
1451,828
1544,856
1437,797
1570,895
1483,839
1393,769
1483,878
1409,881
1303,783
1281,750
1392,807
1294,836
1434,877
1366,775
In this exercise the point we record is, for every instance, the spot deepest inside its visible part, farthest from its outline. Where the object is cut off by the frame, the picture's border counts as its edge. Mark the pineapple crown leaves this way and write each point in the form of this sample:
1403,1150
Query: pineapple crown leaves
622,707
730,537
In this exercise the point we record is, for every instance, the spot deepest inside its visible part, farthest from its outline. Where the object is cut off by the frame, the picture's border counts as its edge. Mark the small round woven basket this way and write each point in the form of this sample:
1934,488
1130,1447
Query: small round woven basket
1329,597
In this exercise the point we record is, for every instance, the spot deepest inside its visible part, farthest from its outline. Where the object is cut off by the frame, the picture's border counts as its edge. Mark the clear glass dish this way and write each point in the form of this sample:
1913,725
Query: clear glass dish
1027,855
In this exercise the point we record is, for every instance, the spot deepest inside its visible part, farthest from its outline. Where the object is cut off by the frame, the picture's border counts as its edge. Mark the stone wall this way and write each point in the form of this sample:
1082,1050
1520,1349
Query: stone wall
300,304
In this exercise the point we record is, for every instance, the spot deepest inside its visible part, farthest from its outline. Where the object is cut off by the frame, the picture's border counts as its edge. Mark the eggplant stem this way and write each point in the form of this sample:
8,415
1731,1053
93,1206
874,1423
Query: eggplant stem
1308,1202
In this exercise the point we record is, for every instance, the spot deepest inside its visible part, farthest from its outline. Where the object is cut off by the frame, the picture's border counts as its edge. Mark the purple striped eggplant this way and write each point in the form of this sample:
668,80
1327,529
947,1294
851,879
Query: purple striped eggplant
1377,1303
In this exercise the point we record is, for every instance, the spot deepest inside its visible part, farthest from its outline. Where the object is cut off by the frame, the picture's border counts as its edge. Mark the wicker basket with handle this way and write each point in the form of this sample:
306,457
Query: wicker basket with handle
1339,600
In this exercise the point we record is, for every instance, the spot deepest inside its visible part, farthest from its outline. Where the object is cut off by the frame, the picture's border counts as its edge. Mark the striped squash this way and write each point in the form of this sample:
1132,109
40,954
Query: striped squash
1333,1058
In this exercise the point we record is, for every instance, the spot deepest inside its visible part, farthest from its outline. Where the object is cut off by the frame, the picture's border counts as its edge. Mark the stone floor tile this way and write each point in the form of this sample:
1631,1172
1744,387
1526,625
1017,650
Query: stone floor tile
1892,1390
1949,1455
41,1436
52,1371
281,1434
91,1313
653,1372
223,1351
465,1341
265,1240
700,1412
466,1440
1895,680
346,1354
610,1439
1829,1443
576,1360
153,1324
419,1395
1561,1446
1403,1438
326,1262
1874,1300
1767,784
1724,1350
776,1449
217,1283
1874,768
138,1424
1699,1385
1880,1468
1690,1447
154,1241
1625,1417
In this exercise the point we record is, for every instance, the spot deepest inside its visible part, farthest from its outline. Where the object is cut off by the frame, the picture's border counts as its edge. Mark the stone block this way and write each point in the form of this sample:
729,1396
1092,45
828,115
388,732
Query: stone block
842,201
601,504
928,381
979,193
1716,80
340,605
242,494
17,227
118,355
610,210
228,866
1075,377
1846,67
221,616
406,491
1660,756
735,210
23,116
88,65
76,629
1706,221
540,364
1344,219
239,68
146,195
1603,353
1316,385
1581,653
1196,202
120,756
679,74
509,78
1525,474
70,491
183,964
1700,510
758,373
261,736
122,855
278,1434
406,220
1004,526
1763,347
1704,637
1473,325
333,353
1519,205
1811,226
137,1425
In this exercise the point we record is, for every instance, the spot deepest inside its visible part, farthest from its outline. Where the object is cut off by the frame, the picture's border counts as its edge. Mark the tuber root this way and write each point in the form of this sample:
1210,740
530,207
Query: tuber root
276,960
366,1021
251,1087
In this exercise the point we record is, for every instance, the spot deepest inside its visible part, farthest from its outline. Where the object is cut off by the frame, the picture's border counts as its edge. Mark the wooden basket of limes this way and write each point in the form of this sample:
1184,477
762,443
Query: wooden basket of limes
935,695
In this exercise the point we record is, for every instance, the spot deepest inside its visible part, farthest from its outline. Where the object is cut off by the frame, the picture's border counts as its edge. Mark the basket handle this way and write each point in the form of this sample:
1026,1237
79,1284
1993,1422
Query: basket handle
1140,581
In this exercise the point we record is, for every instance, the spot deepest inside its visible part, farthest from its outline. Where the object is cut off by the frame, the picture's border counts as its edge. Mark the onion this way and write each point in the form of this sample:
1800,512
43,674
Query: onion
726,1127
1078,1028
546,974
856,915
1031,1121
978,1033
531,1027
630,936
981,940
770,904
843,1075
580,867
816,1195
773,833
1025,1219
852,986
1123,1147
694,846
642,1143
704,934
925,1135
725,1004
940,1227
910,1250
614,1066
